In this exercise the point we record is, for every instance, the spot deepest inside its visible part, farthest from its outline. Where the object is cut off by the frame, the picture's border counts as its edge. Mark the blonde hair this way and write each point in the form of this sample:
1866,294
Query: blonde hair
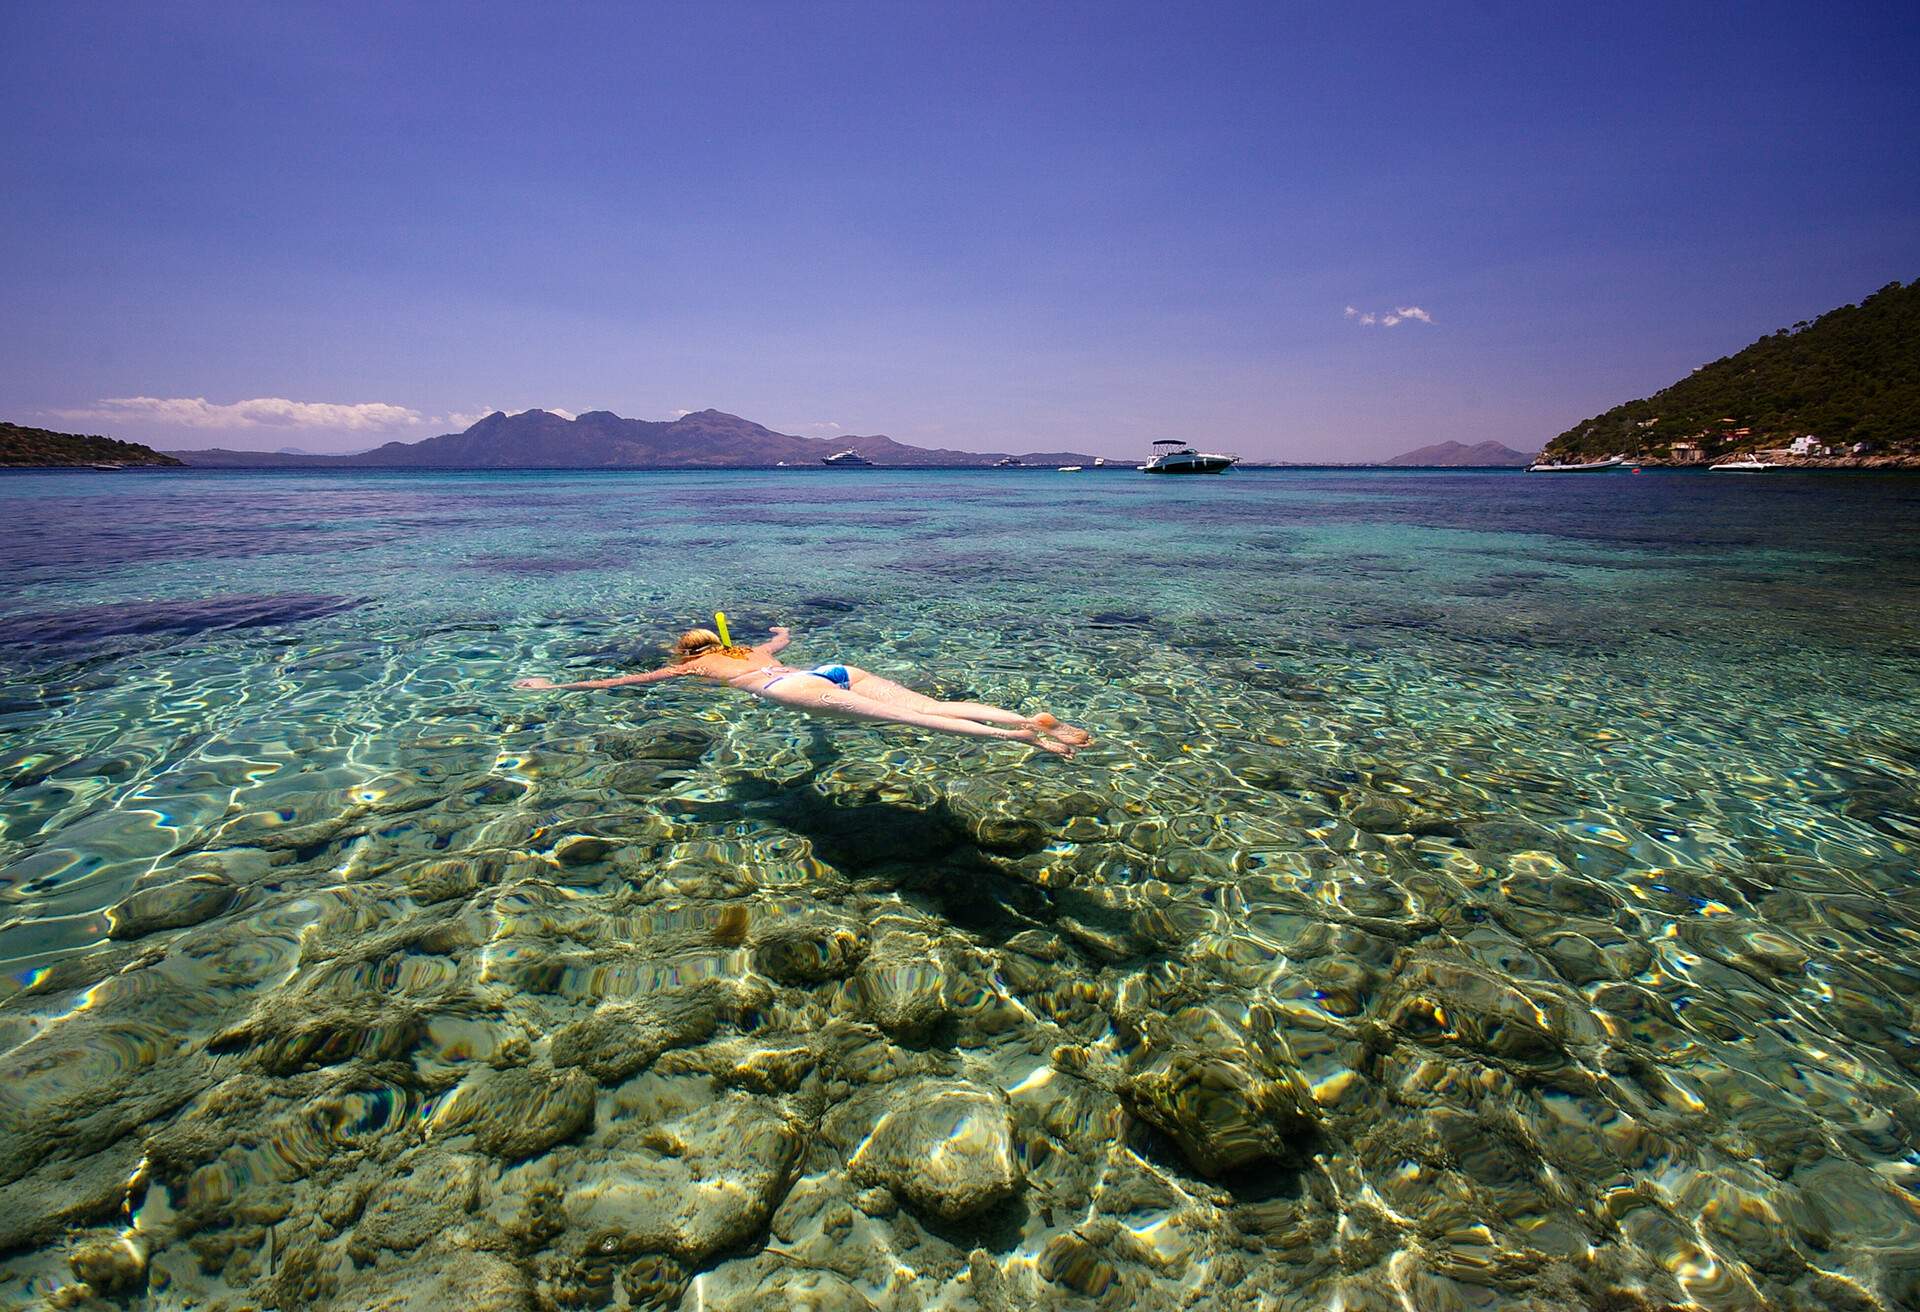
695,643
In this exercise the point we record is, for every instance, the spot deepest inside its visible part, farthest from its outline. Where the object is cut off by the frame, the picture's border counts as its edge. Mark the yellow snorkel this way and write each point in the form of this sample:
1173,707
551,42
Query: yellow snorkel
726,638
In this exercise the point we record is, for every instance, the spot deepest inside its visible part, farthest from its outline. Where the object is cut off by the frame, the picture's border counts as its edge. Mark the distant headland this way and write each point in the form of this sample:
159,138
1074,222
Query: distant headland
1458,455
600,439
39,448
1841,391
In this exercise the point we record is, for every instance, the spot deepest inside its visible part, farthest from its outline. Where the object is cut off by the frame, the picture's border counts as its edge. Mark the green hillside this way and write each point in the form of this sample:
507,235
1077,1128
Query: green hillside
38,446
1852,375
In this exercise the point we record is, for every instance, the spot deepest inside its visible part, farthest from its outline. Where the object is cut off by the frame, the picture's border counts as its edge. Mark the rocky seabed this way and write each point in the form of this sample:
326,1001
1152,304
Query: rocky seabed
840,1037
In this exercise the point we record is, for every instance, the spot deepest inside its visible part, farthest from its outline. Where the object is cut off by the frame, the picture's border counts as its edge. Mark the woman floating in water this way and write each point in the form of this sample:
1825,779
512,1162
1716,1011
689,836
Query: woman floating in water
842,690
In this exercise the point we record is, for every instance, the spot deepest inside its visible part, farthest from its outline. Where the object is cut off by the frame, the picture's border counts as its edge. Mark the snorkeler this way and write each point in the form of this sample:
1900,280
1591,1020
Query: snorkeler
846,691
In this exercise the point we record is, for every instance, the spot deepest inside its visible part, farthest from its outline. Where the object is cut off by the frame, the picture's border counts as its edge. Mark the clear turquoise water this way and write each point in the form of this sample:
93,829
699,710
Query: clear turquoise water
1549,842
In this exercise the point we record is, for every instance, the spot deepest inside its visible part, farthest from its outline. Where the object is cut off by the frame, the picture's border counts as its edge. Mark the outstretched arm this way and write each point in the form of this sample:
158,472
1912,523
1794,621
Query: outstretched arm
651,676
777,643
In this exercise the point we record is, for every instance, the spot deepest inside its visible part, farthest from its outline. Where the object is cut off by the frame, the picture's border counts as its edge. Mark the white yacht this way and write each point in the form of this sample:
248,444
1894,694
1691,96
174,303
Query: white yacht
848,457
1173,456
1744,465
1576,467
1009,462
1099,462
1071,469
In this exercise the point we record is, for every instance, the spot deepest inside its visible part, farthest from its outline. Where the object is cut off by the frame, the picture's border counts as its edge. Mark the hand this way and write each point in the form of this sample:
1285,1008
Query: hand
778,630
533,683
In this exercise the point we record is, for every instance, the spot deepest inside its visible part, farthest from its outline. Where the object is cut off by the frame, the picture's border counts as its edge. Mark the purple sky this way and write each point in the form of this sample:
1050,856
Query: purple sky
1020,226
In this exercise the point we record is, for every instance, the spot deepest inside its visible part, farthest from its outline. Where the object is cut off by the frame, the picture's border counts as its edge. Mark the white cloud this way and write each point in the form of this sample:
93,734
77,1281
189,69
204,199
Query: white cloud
259,412
1388,318
823,428
681,414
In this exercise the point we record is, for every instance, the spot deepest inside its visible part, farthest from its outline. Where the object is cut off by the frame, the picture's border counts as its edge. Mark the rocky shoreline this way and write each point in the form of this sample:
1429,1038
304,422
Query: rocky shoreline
1872,462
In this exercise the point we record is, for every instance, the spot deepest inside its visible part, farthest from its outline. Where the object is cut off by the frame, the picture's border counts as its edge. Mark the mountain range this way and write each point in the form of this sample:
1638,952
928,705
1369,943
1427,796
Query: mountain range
1459,454
600,439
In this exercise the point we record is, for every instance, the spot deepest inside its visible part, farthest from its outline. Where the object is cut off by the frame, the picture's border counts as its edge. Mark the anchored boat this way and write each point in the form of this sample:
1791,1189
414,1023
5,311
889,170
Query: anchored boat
1745,465
1179,457
845,458
1584,467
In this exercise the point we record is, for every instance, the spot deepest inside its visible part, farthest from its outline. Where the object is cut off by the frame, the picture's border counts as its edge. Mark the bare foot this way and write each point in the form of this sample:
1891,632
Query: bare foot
1048,745
1057,728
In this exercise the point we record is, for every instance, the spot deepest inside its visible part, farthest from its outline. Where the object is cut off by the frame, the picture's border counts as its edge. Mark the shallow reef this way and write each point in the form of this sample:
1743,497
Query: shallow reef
1344,1040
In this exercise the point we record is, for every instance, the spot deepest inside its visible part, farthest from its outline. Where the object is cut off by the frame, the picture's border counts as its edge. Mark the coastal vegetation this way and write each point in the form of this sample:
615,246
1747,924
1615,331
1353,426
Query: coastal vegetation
22,447
1851,376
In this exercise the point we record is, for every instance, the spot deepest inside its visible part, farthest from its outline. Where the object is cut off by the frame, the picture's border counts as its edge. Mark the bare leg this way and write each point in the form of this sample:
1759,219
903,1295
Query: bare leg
819,697
868,684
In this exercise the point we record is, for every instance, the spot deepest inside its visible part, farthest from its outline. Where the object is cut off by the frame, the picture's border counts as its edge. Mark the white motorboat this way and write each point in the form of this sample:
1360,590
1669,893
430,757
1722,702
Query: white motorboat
1099,461
1179,457
849,457
1009,462
1577,467
1745,465
1071,469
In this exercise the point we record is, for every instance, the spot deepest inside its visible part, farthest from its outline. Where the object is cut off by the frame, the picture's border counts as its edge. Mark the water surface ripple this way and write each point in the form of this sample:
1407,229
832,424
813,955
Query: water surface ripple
1487,892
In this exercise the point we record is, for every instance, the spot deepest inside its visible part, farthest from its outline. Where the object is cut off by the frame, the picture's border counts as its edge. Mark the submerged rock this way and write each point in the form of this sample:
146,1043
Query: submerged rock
111,1266
448,877
434,1194
518,1112
582,850
668,740
171,906
996,817
290,1032
692,1186
654,1283
764,1284
1224,1114
902,988
945,1147
1439,1000
809,952
620,1038
1076,1265
469,1281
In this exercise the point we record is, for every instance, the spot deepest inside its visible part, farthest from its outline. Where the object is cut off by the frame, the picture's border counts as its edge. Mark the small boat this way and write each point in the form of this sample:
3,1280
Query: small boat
1009,462
110,469
1180,458
1071,469
1099,462
847,458
1745,465
1578,467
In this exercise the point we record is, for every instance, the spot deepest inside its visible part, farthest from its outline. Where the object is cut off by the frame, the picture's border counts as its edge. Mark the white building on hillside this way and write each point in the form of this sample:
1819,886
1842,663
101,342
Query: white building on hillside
1808,445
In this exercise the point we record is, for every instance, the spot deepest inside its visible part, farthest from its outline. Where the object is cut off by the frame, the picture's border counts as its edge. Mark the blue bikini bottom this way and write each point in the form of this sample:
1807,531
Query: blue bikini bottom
832,674
837,675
